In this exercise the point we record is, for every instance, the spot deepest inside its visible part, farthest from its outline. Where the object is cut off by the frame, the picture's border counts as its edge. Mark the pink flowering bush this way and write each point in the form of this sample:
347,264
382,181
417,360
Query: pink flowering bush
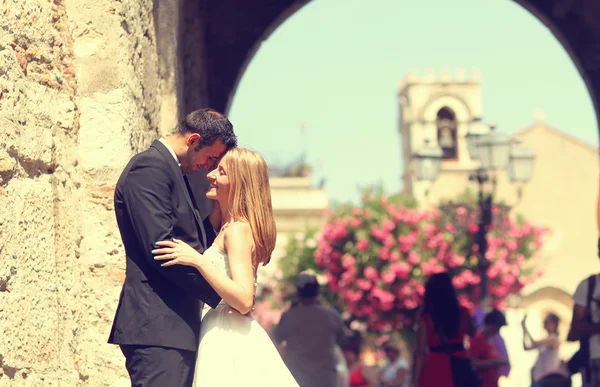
377,257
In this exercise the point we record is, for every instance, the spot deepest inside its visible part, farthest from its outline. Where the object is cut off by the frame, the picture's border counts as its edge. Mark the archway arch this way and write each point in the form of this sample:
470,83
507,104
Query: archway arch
242,32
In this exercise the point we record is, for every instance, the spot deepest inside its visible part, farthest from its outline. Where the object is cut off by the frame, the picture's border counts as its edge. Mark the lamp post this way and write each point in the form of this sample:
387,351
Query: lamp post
494,152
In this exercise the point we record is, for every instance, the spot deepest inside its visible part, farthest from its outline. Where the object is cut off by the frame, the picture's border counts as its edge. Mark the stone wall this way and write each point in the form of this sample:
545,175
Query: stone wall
81,90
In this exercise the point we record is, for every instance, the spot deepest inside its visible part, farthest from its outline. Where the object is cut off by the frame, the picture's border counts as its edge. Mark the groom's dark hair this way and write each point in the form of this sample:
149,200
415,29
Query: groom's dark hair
211,126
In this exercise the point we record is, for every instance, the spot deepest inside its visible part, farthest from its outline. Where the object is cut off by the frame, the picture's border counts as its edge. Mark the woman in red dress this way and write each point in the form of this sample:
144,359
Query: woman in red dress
441,316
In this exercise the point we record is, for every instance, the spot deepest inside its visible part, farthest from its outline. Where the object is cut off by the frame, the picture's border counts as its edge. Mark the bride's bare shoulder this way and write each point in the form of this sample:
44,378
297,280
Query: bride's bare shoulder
238,231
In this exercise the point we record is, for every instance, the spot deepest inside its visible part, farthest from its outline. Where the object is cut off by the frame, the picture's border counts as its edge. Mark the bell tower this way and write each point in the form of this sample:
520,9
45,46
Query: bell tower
437,111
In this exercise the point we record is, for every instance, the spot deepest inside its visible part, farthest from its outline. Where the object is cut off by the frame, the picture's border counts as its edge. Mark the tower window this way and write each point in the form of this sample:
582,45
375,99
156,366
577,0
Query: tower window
446,133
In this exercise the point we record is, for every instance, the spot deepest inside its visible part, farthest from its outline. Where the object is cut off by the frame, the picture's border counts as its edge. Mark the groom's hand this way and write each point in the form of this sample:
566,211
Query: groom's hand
215,217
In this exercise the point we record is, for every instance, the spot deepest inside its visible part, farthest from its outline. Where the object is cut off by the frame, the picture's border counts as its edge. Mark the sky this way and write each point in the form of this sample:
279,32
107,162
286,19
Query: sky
325,81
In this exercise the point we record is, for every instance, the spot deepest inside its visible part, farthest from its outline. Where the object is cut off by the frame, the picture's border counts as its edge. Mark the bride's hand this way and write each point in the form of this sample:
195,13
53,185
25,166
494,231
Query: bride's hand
179,253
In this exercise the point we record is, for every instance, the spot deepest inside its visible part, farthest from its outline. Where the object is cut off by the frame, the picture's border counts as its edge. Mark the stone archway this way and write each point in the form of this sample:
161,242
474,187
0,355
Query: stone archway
83,86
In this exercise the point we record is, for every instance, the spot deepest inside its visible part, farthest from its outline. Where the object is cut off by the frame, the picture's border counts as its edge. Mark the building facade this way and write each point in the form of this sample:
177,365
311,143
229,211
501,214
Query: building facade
296,205
562,196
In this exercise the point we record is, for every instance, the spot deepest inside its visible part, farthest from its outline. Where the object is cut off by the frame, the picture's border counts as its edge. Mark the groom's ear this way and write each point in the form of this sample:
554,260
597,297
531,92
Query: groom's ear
192,140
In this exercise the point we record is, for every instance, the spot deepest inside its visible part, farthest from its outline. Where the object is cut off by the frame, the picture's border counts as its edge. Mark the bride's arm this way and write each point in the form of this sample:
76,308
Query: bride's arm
238,291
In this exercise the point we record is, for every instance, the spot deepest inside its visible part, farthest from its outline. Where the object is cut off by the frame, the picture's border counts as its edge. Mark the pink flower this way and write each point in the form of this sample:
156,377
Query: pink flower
410,304
389,241
429,229
362,245
346,278
371,273
450,228
461,211
502,255
351,270
412,217
434,241
406,243
332,282
507,280
378,233
395,256
356,222
388,277
387,225
514,271
511,245
383,295
401,269
431,267
413,258
494,270
319,258
353,295
472,228
397,215
363,284
459,282
348,261
367,310
384,253
457,261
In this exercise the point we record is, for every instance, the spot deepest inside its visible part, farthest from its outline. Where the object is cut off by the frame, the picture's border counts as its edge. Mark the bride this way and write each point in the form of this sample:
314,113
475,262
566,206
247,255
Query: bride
234,350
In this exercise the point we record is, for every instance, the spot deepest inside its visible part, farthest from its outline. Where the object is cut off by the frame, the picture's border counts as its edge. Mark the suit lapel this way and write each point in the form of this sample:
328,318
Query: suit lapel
179,178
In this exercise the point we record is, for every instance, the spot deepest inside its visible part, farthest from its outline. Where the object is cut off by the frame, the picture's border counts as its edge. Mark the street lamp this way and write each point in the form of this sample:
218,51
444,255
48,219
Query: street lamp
521,164
477,130
428,162
494,152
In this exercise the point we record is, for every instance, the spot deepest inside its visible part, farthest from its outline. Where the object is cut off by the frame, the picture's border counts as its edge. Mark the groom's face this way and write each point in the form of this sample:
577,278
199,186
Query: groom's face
205,158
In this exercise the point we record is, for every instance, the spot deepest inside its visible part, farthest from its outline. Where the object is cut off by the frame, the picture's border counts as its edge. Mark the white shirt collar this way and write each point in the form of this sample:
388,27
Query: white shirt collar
166,144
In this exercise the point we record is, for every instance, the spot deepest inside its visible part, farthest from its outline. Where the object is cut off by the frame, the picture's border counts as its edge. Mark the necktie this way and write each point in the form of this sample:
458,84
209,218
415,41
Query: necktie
196,212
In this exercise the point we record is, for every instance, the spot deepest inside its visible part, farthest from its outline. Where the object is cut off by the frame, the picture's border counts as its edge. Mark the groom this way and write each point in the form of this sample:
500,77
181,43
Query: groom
157,321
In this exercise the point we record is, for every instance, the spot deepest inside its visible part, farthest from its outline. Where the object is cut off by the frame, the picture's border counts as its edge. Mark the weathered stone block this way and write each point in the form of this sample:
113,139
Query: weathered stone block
29,317
105,130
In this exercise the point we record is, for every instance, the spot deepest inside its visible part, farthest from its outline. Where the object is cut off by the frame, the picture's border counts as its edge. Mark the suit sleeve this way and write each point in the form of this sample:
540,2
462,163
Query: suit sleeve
147,195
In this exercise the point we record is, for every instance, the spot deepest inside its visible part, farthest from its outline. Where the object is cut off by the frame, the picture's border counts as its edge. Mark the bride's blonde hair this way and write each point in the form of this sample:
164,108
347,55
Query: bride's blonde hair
250,198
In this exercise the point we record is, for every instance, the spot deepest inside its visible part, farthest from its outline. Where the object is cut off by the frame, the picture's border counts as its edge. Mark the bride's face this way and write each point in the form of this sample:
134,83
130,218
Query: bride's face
219,183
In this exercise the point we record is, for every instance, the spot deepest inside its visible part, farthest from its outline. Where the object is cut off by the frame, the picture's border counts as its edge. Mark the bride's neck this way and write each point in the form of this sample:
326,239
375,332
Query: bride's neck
225,212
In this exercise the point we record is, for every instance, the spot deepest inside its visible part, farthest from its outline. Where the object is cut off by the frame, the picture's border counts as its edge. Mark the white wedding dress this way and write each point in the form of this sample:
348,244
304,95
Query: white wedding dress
234,349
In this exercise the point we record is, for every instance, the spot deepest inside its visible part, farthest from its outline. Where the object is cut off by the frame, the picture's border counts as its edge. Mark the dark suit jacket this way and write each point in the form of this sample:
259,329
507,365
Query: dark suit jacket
159,306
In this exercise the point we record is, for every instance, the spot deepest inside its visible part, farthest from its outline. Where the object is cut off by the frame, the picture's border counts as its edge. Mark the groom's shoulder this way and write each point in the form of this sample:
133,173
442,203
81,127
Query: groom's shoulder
149,157
147,163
